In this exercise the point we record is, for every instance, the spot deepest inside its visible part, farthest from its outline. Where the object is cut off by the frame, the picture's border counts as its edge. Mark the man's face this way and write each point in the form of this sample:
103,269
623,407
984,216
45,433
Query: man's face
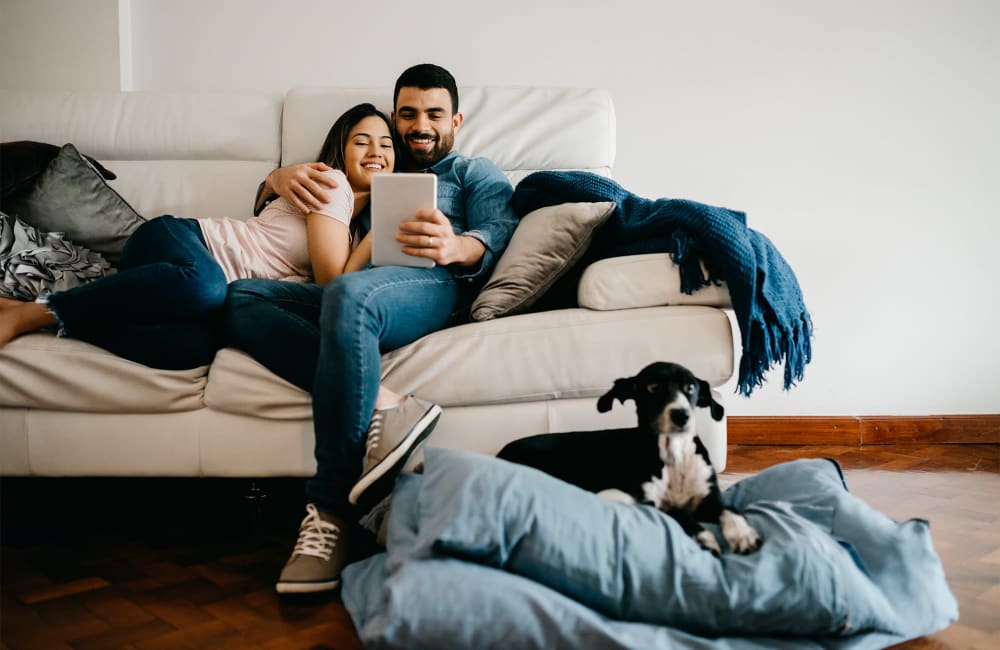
425,124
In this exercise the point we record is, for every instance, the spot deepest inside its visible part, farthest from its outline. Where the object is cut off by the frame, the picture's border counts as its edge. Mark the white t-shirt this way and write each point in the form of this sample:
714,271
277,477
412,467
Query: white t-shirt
275,244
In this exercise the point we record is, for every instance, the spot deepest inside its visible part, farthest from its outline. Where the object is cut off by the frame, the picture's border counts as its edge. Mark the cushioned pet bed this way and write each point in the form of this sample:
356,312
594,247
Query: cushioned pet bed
482,553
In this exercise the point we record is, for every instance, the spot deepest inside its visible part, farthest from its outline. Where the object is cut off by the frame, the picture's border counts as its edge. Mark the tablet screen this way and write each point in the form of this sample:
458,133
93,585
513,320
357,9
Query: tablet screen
395,199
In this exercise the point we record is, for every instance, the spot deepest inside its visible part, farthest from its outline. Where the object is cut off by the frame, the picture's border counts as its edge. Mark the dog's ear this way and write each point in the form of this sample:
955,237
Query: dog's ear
705,399
622,390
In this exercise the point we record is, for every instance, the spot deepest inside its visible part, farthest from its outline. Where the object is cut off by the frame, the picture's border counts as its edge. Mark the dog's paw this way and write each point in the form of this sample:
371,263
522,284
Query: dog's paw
655,491
708,542
740,535
613,494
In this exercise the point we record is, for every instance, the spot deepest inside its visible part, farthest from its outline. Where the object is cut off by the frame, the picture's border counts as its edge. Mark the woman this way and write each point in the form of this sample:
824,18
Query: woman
162,307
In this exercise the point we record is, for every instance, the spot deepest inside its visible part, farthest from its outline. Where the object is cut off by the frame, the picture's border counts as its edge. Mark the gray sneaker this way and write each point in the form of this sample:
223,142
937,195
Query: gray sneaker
319,555
393,435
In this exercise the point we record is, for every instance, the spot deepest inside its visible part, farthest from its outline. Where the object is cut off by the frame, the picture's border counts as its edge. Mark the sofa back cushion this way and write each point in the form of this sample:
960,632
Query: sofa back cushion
521,129
188,154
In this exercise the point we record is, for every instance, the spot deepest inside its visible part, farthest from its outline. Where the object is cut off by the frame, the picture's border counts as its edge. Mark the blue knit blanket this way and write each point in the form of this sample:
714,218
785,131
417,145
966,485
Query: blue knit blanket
774,323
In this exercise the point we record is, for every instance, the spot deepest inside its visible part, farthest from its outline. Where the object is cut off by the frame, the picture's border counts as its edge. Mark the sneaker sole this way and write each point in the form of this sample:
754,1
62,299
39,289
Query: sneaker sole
395,460
306,587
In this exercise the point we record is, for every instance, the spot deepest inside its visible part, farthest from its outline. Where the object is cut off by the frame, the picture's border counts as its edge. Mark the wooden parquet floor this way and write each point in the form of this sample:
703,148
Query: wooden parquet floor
157,563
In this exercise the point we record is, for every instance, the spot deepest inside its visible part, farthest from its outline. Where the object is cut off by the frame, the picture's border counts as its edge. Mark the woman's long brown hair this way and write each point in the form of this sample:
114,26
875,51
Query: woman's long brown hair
332,152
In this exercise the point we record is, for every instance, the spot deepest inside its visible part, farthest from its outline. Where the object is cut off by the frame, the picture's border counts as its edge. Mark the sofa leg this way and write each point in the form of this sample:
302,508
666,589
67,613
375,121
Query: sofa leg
256,499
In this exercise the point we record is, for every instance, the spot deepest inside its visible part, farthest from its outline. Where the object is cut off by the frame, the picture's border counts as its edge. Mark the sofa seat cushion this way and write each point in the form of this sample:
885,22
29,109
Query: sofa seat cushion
238,384
40,371
559,354
642,281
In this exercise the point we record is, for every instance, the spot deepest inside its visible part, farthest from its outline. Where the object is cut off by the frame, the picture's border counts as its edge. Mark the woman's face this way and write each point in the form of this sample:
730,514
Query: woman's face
368,151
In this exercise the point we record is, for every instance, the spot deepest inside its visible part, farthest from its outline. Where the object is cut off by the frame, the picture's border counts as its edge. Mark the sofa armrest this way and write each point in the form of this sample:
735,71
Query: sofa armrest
634,281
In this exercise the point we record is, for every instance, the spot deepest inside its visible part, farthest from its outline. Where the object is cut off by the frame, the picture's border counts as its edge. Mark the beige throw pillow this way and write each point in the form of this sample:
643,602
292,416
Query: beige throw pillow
547,242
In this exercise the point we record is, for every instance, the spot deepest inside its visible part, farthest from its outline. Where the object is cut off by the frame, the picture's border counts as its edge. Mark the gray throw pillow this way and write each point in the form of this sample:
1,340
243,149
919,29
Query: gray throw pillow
73,198
547,242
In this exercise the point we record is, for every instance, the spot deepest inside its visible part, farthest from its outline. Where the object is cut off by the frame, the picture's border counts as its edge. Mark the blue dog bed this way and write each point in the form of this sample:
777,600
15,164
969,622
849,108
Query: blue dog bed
483,553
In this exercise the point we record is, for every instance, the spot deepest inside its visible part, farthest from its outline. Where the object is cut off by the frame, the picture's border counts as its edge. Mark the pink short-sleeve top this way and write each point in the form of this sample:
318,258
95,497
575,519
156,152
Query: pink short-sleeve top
273,245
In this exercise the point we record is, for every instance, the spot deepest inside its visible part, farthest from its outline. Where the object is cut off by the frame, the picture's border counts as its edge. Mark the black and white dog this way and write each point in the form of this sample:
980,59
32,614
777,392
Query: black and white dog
661,461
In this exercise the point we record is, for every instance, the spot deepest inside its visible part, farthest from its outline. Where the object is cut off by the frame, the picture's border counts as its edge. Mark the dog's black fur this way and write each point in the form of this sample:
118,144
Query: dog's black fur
661,461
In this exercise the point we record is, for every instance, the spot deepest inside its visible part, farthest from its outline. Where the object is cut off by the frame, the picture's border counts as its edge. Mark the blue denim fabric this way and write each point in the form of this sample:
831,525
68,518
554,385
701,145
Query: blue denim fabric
363,314
277,323
329,340
161,308
475,195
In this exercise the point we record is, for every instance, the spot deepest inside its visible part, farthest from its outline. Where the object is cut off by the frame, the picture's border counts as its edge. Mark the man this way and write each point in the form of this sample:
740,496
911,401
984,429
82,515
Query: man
373,310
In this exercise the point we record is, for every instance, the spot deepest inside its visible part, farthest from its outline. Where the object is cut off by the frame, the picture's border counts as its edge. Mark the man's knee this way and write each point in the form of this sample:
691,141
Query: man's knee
345,294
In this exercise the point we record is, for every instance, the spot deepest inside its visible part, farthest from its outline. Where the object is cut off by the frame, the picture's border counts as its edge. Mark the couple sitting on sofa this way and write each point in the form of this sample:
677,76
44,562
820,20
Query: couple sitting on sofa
185,287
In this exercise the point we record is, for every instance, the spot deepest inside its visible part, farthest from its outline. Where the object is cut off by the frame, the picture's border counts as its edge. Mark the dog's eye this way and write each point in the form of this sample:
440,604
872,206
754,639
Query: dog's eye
652,388
689,389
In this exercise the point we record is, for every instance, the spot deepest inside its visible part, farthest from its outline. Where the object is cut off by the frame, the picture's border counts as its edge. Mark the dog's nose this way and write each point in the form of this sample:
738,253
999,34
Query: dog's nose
679,416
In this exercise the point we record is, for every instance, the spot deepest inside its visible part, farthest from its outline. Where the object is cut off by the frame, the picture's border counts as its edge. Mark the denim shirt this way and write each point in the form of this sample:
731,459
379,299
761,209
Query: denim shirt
475,196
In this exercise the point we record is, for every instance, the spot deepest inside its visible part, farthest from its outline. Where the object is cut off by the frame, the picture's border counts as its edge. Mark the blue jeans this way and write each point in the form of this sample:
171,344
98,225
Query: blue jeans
162,307
329,340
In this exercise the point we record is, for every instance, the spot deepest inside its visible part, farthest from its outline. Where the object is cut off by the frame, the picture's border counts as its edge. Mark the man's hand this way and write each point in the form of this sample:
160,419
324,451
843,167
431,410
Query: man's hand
431,235
304,185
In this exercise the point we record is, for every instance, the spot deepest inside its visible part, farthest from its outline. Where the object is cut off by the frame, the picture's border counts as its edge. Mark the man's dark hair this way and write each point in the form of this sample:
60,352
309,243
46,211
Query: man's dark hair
425,76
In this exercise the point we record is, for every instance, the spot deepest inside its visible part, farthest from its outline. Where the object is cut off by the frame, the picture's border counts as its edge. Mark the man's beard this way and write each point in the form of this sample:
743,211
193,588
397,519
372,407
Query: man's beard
443,145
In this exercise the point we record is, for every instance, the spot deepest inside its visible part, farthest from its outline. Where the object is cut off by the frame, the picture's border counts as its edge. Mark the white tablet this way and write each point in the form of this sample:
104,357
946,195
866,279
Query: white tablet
395,199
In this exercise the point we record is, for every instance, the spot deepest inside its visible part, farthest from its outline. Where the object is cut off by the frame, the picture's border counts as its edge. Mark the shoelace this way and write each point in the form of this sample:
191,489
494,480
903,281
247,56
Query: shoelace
374,432
316,536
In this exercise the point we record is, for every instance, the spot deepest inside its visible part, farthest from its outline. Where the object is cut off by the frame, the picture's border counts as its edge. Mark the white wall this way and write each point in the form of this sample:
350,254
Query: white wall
861,137
62,44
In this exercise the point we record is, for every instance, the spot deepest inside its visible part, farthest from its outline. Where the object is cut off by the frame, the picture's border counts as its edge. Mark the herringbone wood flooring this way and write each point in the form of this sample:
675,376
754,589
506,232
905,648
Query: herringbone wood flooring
150,563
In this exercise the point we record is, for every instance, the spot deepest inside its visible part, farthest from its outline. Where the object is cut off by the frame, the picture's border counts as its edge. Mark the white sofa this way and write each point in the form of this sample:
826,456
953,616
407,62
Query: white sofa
70,409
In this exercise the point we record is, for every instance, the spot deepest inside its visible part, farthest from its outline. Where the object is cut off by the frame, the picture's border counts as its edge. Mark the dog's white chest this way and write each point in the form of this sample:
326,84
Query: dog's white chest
685,475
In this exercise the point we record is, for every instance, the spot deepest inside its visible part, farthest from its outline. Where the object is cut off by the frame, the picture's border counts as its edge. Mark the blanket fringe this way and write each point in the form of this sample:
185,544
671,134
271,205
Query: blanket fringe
687,257
769,345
